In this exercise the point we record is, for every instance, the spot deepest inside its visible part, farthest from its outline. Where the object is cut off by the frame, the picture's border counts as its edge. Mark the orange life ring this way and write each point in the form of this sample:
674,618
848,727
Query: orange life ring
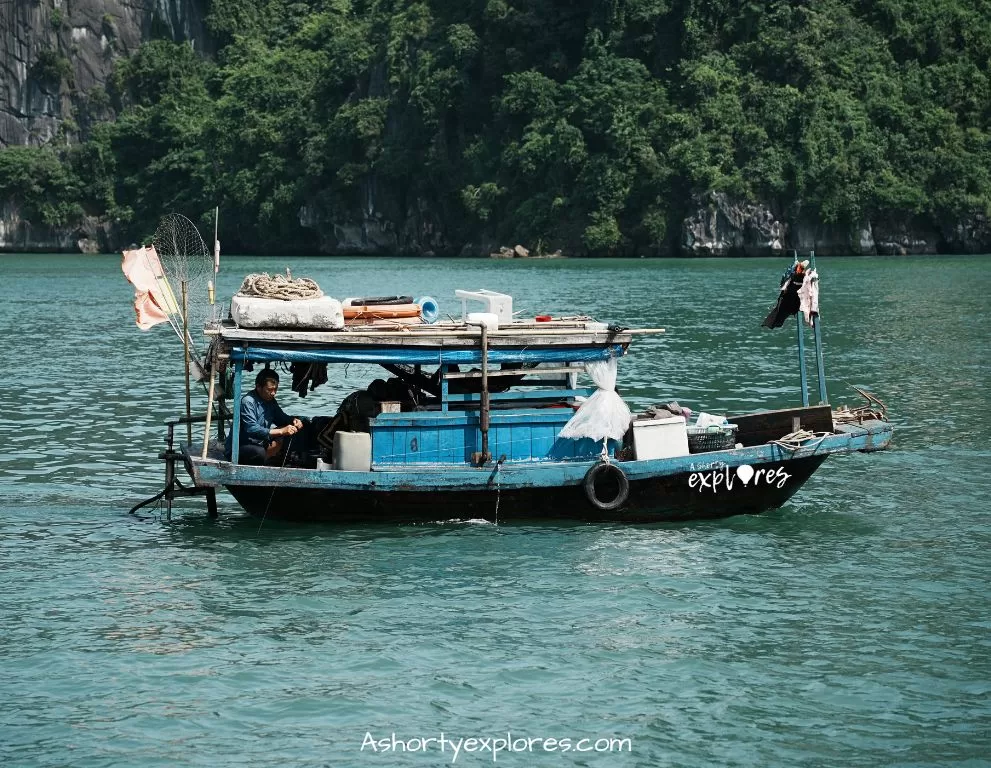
382,312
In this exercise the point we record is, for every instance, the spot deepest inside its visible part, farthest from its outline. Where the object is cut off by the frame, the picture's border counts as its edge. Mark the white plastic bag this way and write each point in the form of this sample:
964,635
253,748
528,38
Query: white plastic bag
604,415
709,420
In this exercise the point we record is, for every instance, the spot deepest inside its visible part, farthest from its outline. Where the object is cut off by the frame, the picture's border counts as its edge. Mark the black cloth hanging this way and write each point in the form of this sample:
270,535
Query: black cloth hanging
788,301
305,375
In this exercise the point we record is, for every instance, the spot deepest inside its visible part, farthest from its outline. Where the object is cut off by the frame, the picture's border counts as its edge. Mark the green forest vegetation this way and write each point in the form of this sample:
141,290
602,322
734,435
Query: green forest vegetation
580,125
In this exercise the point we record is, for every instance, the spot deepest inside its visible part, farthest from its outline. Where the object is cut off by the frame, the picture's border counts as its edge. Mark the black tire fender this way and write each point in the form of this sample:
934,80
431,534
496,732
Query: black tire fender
599,471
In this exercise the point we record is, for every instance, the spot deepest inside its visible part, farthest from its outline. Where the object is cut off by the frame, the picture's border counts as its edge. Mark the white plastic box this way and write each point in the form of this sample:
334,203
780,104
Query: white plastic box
660,438
352,451
498,304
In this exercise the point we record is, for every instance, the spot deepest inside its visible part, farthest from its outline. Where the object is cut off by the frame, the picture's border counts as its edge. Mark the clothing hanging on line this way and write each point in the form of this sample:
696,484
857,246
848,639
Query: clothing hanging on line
305,375
808,296
788,302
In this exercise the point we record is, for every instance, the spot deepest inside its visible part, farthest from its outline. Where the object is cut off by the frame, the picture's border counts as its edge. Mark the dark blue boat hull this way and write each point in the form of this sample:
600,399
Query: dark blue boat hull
682,496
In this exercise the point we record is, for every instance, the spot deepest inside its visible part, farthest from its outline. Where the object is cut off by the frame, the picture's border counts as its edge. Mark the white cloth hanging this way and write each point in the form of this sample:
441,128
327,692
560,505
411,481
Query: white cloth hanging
604,415
808,296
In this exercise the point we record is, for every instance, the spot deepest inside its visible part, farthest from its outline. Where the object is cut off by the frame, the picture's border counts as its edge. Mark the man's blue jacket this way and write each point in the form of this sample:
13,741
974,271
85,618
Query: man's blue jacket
257,419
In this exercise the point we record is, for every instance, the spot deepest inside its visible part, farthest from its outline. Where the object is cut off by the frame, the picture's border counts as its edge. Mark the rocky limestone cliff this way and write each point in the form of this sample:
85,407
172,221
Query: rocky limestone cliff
56,56
89,235
971,234
385,218
721,226
381,225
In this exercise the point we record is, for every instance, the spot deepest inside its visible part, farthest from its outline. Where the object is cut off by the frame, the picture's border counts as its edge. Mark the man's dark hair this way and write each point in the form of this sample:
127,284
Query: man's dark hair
266,375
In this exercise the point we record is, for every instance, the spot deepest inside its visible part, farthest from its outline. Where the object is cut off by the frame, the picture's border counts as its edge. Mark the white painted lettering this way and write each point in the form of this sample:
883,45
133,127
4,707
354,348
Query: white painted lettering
724,478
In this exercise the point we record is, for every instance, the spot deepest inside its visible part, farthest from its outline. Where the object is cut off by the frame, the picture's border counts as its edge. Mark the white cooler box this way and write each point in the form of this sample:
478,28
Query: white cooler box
660,438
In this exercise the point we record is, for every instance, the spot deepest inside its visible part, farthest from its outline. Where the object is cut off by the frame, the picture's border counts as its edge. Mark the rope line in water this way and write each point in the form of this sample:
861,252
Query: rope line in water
285,455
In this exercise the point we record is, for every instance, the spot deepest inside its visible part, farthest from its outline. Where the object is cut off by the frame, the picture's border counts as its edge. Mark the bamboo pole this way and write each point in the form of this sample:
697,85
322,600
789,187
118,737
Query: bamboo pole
209,413
185,345
801,360
216,250
820,365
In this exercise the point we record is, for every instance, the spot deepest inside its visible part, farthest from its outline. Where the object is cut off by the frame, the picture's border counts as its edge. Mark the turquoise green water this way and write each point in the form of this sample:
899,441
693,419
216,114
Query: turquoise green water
849,628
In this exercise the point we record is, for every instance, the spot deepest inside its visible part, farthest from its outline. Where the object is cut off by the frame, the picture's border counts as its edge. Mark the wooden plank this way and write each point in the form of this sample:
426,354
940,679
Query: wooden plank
517,372
534,394
760,428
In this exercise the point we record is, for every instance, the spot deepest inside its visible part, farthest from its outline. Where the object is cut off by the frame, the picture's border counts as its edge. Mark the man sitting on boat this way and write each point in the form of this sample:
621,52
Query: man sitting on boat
263,422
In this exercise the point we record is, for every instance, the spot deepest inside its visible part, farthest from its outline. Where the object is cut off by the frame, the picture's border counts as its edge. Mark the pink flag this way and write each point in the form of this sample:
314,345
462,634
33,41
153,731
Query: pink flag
139,268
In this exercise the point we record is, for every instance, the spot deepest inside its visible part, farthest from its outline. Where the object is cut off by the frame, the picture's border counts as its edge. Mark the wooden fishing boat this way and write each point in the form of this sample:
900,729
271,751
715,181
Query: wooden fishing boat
495,421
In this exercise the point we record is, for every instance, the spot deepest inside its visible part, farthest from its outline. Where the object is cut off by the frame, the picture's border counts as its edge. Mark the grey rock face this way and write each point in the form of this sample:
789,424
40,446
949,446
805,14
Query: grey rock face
52,54
902,238
826,239
721,226
18,235
380,226
971,234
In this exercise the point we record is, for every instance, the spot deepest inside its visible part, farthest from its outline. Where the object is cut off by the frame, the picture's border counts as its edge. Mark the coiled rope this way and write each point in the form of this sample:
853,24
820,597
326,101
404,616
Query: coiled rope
282,287
800,439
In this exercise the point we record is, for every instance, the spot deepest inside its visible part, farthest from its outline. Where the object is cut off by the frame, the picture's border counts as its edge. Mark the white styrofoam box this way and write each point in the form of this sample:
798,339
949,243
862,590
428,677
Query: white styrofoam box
660,438
315,314
353,451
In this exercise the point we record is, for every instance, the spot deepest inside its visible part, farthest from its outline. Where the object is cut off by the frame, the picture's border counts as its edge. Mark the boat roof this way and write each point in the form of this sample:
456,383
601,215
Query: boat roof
577,339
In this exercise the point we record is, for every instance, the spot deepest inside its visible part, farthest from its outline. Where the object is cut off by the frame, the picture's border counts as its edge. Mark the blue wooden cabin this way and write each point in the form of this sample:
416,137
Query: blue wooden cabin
522,424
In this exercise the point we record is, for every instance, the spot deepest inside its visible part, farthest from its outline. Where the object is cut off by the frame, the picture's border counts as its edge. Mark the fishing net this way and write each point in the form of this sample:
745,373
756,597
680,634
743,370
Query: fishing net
188,265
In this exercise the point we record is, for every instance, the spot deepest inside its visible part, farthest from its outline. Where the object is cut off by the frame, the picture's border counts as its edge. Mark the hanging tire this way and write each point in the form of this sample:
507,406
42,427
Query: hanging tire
603,471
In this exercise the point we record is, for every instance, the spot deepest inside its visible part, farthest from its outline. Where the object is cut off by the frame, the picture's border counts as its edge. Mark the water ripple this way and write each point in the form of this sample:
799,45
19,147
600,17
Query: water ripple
848,628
